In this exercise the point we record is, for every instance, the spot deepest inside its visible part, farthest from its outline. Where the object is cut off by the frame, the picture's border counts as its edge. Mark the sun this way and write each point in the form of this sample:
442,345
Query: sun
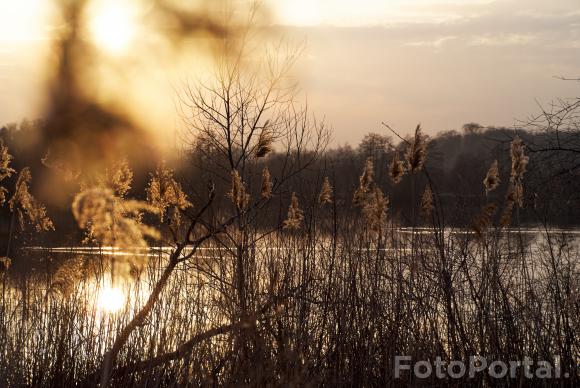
110,299
113,25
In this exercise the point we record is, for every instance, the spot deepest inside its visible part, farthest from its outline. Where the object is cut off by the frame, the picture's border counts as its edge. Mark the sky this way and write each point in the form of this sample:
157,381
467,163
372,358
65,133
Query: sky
440,63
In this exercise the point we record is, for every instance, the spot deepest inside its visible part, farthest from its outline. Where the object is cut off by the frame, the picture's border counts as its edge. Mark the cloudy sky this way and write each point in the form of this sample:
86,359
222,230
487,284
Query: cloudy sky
441,63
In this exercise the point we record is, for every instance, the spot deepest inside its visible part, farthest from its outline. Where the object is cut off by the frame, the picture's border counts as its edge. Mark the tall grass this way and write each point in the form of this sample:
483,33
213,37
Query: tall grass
346,307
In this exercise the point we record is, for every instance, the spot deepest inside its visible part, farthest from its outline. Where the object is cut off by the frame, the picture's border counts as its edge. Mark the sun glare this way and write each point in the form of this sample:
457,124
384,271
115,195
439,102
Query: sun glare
113,25
110,299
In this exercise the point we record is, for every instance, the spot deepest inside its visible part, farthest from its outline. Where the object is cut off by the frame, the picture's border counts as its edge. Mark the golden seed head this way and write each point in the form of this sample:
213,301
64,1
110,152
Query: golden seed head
295,214
326,192
237,194
416,154
491,181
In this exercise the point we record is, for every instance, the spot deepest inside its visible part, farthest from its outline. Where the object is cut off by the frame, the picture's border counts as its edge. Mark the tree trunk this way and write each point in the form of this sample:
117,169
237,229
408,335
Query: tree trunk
123,337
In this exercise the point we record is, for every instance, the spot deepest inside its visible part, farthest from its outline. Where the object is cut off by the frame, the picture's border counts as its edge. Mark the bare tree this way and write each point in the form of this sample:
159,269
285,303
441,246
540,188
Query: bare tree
560,123
235,121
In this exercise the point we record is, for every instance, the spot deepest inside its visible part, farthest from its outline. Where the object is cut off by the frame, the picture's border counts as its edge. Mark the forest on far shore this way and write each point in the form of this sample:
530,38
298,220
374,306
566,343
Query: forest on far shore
457,163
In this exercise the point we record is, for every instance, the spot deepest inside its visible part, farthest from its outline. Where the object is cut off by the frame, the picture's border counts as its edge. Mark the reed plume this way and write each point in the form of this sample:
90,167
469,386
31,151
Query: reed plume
24,204
237,194
374,209
515,194
366,182
165,193
5,170
265,140
370,198
396,168
5,158
113,221
266,192
519,164
326,192
295,214
118,178
416,152
519,159
492,181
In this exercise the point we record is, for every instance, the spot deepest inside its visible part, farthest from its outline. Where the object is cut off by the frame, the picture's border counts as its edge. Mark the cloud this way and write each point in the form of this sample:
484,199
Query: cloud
436,43
503,40
488,66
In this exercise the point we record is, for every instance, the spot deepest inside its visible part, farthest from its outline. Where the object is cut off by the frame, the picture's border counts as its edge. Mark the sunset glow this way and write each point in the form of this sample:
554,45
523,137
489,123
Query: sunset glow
289,193
378,42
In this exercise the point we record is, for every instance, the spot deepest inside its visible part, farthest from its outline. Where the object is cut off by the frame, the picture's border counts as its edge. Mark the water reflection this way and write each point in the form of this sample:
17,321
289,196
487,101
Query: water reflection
87,315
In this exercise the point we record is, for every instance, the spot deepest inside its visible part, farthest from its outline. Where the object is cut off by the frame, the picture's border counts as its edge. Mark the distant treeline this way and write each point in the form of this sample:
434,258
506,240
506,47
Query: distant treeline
457,163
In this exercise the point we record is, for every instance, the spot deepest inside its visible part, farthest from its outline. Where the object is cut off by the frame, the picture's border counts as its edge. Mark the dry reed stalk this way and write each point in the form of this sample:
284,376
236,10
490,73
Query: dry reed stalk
366,182
492,181
325,195
265,140
24,204
5,170
237,194
416,154
295,214
165,193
